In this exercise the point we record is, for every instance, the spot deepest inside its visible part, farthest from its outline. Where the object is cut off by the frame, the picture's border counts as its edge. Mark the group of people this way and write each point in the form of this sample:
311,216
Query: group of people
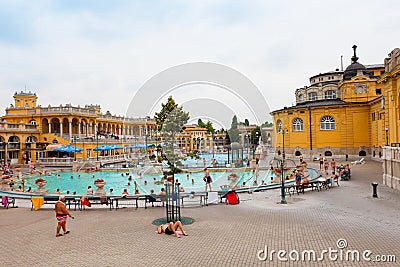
324,164
107,134
5,169
62,214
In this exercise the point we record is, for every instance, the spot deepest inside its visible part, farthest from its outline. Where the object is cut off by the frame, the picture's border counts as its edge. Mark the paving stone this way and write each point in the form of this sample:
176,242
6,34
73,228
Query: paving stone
221,236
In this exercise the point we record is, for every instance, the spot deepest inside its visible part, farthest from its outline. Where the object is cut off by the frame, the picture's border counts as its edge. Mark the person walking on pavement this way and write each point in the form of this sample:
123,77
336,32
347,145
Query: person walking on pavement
62,214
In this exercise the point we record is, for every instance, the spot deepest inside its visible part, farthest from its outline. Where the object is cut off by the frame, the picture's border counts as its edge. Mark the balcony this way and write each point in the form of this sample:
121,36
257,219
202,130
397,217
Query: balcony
18,127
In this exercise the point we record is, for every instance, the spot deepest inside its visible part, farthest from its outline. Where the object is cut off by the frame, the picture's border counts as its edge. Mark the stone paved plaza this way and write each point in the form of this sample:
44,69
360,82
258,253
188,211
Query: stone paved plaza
221,236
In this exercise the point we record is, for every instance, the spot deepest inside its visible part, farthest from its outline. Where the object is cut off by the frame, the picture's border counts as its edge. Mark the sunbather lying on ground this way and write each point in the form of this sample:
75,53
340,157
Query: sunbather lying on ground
170,228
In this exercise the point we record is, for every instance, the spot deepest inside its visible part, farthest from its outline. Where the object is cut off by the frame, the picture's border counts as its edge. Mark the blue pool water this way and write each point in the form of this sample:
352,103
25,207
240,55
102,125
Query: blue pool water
118,182
221,159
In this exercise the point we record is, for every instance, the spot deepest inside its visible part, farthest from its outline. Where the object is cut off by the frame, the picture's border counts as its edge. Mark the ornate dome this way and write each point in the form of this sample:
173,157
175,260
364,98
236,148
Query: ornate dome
354,67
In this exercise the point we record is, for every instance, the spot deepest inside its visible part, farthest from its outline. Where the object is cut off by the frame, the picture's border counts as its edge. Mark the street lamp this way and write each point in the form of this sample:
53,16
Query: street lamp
387,136
255,142
283,144
283,193
74,139
247,144
212,143
97,146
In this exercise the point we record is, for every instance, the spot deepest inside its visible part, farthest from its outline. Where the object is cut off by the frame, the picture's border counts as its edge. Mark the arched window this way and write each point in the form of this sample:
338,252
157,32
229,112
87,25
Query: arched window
31,139
301,98
327,123
279,126
312,96
330,94
13,139
297,125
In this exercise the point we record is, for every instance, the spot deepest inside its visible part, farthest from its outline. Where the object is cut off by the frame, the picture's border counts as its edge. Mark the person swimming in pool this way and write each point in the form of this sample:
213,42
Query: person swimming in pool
170,229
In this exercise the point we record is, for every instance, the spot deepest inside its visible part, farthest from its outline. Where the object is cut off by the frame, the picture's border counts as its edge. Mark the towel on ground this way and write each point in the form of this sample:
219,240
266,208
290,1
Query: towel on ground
37,202
4,200
85,201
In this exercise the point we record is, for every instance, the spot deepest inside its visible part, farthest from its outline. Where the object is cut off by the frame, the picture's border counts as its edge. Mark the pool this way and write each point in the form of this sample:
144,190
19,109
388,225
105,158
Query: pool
221,159
118,181
79,181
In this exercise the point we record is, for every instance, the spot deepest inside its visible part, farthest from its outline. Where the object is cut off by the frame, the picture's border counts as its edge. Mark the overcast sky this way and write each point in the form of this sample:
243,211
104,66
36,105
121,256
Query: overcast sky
101,52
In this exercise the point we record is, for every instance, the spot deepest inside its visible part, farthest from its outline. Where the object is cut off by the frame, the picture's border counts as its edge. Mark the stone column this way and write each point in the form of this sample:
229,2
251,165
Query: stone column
79,129
49,127
33,154
61,128
70,129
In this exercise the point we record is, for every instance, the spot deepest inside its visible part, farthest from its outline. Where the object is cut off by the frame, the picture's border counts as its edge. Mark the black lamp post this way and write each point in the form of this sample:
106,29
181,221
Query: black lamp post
387,136
212,143
283,193
247,144
145,142
74,139
97,146
255,138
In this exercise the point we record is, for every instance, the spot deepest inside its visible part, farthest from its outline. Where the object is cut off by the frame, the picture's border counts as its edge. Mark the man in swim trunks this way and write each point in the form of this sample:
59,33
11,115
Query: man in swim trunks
298,177
207,179
62,214
171,228
321,161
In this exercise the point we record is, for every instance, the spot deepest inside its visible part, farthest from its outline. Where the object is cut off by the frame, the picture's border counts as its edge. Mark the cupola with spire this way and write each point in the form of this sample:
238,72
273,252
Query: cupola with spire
355,68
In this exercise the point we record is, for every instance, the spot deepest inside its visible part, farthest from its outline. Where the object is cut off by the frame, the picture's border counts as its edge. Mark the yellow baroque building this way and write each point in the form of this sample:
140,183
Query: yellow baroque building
193,137
354,112
28,130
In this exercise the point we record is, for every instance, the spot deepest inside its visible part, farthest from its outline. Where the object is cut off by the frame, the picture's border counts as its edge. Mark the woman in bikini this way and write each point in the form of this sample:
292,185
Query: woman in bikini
171,228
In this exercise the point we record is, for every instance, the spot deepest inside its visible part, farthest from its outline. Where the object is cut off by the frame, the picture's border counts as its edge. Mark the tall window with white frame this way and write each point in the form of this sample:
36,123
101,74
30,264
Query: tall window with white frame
297,125
327,123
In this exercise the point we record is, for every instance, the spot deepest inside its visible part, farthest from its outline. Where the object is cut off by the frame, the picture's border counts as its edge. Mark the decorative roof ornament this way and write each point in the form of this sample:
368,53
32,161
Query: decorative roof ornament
354,57
355,68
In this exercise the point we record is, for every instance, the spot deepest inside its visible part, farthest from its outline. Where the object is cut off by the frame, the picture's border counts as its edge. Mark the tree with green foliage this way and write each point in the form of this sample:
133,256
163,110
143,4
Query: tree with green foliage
255,135
171,118
209,127
166,109
267,124
234,121
233,131
201,124
228,139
